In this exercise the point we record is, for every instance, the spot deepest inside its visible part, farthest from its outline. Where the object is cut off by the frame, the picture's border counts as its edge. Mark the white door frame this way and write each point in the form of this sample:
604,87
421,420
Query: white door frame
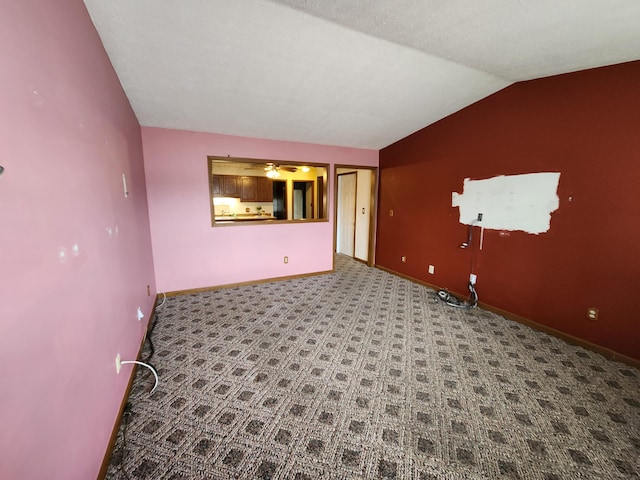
372,207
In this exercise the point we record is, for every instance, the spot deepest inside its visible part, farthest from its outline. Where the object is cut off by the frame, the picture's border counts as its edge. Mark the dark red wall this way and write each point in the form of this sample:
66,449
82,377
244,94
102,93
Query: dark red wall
585,125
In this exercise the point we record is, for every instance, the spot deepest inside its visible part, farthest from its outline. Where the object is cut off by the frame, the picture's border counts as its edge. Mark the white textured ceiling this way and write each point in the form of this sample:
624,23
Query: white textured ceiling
359,73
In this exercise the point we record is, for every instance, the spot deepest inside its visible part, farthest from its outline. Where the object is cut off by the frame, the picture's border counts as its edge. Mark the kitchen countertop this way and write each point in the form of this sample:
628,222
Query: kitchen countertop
241,218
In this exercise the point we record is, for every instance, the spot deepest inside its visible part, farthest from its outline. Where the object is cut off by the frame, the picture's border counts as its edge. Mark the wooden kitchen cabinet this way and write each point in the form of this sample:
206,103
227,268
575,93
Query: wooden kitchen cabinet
225,186
265,189
256,189
216,185
230,186
248,189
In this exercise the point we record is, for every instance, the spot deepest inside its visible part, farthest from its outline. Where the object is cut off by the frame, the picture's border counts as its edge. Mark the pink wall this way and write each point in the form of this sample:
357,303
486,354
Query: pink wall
188,252
67,133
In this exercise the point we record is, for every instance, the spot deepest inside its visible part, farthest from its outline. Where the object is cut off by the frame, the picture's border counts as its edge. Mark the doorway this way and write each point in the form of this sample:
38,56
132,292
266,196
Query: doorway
302,200
355,210
280,199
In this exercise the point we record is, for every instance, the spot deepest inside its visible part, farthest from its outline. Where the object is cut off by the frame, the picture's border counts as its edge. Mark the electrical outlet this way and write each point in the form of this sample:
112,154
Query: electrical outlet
286,259
118,364
473,278
592,313
404,259
479,217
432,269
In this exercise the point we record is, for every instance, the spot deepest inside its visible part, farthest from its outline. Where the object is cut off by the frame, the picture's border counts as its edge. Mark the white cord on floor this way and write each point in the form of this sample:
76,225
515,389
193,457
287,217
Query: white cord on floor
164,299
144,365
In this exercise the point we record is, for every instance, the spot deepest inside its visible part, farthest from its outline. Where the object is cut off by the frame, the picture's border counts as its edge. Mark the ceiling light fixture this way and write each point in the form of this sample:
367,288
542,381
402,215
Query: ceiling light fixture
273,171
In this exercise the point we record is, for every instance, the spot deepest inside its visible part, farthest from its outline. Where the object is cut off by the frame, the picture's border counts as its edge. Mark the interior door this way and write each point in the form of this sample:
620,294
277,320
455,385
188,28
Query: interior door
346,215
298,203
309,198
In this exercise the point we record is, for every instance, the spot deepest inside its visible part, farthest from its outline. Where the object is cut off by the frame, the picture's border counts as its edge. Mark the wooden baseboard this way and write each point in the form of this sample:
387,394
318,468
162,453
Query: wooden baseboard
407,277
594,347
243,284
360,260
116,427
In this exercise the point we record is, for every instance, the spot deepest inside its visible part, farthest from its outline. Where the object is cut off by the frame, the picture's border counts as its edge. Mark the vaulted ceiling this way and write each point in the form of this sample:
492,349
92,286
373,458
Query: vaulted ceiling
357,73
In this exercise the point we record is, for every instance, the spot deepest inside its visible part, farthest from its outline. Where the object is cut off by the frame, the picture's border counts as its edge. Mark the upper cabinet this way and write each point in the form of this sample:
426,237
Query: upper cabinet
225,186
256,189
265,189
230,186
248,189
216,185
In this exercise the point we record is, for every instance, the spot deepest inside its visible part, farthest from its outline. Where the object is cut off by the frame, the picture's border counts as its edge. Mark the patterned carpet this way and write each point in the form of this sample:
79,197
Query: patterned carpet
362,374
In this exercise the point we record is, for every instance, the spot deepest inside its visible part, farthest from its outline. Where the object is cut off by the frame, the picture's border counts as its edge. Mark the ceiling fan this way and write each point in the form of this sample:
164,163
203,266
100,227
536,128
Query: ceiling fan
271,166
275,166
273,170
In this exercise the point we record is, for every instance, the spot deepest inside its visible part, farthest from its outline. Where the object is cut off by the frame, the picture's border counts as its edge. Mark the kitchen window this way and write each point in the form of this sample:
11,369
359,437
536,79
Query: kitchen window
246,191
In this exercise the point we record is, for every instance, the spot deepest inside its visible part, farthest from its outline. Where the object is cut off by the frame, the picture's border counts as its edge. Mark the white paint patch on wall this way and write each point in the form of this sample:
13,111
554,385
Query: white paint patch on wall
510,202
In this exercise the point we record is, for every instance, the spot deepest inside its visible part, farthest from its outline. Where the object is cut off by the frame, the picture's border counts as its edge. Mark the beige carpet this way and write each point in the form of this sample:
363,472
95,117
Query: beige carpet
361,374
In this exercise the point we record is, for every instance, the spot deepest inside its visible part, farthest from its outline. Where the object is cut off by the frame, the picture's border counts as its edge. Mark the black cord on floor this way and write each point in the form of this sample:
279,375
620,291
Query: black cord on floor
123,449
128,411
149,334
151,346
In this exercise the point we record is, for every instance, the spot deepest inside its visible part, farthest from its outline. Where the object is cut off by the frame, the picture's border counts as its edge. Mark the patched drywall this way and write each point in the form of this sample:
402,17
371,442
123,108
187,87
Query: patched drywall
510,202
